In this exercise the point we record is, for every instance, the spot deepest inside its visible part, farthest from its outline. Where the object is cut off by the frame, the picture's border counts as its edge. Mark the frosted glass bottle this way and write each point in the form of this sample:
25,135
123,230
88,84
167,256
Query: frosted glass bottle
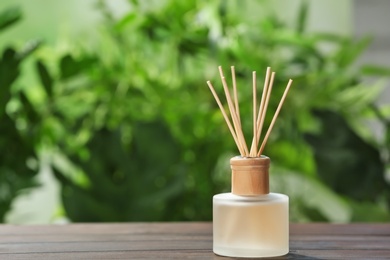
250,221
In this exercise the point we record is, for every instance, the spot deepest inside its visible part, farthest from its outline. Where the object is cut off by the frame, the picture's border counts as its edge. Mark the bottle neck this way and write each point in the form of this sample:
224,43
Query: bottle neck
250,175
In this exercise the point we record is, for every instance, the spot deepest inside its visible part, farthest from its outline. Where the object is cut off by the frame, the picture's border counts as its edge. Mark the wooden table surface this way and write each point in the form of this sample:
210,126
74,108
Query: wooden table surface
182,241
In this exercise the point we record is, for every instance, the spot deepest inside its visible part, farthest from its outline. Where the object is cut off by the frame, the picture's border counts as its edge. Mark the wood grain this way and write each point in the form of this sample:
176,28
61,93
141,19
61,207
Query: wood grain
182,241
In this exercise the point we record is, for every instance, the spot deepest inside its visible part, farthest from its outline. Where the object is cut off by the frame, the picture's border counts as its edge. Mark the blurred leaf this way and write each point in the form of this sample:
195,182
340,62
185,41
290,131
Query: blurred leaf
9,17
32,115
302,16
127,19
45,78
360,96
70,67
350,52
127,183
310,199
15,175
364,211
345,162
329,37
374,70
29,48
16,143
9,71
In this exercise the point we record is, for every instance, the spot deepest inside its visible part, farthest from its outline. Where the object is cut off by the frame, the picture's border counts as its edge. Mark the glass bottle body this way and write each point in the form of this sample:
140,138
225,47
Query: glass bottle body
250,226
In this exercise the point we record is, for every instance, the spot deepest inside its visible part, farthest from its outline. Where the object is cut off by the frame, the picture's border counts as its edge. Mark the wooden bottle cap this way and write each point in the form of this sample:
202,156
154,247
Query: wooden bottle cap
250,175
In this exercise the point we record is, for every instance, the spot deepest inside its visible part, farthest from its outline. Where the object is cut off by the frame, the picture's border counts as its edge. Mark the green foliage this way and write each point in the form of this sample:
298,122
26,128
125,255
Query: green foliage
125,183
134,119
15,148
45,78
310,199
339,148
9,17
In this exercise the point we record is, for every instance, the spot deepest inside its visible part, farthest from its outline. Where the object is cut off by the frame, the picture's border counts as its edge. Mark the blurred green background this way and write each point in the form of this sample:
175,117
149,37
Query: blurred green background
105,114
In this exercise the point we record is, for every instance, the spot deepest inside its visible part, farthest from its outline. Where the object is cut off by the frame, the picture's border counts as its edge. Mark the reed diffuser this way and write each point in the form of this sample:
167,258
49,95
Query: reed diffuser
250,221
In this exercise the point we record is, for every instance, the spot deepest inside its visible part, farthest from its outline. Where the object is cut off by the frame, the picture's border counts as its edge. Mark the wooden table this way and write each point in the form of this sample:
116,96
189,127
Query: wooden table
182,241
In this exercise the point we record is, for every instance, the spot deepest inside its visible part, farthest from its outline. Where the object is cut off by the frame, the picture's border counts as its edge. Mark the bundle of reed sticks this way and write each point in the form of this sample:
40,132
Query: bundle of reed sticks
258,114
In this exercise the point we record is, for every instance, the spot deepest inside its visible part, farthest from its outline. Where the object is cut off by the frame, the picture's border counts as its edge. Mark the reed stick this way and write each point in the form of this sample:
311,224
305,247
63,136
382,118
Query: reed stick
254,94
264,110
235,94
237,128
258,115
225,117
256,136
274,118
